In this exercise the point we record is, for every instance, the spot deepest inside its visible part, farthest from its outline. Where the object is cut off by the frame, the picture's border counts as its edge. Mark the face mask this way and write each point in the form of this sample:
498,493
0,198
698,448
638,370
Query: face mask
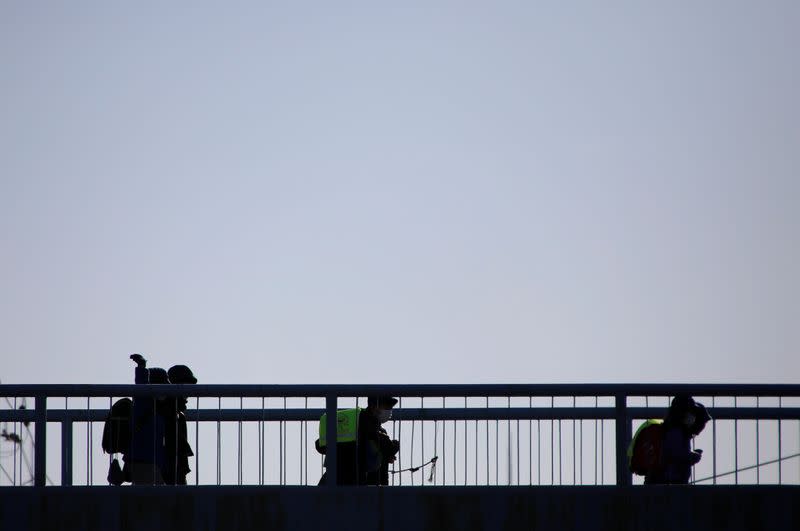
384,415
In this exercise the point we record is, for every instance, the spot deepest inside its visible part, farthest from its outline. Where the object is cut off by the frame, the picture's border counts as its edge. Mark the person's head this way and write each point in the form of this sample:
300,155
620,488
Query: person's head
683,411
157,375
381,407
181,374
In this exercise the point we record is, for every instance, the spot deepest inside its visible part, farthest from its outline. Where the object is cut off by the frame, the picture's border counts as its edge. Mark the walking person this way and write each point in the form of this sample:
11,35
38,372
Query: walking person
147,456
178,450
685,419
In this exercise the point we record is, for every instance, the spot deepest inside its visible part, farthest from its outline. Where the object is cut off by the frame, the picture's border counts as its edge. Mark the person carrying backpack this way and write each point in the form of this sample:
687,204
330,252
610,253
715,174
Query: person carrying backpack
675,458
364,449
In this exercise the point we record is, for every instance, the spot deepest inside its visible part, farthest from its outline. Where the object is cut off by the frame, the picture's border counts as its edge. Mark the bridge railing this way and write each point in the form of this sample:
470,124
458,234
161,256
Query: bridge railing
479,434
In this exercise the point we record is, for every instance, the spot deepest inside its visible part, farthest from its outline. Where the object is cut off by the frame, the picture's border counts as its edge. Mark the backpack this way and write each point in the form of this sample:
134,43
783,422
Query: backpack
346,426
117,427
644,452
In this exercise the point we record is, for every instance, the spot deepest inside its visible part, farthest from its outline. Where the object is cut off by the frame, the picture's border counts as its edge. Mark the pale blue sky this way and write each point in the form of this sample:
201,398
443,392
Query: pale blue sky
353,192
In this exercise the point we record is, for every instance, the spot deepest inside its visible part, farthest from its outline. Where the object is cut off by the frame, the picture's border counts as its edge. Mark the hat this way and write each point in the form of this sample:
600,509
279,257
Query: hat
382,400
683,403
157,375
181,374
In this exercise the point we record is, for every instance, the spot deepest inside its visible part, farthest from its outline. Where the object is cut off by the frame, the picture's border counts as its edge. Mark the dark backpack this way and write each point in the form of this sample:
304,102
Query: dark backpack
117,427
644,452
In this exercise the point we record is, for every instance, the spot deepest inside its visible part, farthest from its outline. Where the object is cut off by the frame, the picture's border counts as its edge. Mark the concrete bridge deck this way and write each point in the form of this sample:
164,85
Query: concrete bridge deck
232,508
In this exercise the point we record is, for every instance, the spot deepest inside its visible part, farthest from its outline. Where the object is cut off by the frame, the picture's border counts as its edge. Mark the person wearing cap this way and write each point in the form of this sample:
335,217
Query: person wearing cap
176,439
147,456
376,450
364,454
685,419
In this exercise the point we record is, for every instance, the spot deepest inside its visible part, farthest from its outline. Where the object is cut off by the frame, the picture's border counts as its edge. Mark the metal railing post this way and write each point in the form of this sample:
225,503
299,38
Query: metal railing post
40,455
66,453
331,437
623,437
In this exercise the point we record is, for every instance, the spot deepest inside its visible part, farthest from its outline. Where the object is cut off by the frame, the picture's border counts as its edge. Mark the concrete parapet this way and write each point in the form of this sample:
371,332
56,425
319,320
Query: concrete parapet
209,508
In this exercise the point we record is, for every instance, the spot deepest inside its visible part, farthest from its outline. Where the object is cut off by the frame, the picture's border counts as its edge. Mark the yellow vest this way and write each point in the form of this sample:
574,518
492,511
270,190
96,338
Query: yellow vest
346,426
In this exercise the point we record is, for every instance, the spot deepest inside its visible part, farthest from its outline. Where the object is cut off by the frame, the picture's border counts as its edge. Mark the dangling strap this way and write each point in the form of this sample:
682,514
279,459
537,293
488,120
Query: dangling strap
413,469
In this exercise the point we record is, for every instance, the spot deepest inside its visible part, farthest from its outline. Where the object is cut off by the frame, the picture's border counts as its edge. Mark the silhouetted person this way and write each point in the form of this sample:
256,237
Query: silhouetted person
685,419
147,456
366,460
377,450
176,439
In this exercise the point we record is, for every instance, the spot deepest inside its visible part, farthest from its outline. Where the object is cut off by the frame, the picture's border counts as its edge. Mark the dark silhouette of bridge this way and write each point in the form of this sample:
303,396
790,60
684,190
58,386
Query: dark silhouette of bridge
468,493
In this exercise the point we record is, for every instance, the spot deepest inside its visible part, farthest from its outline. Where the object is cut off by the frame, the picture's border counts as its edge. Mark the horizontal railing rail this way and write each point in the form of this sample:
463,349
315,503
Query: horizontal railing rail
409,390
432,414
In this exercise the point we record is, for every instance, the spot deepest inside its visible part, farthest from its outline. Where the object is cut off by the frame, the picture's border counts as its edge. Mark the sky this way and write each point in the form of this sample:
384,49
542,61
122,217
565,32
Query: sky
415,192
